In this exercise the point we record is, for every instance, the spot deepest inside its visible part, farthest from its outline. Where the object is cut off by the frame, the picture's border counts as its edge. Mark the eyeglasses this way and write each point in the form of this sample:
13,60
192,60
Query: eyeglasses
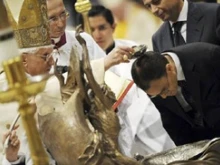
45,57
63,16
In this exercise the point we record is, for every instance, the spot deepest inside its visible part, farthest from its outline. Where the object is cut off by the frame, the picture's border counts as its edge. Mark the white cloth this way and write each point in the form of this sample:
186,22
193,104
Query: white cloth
21,158
141,126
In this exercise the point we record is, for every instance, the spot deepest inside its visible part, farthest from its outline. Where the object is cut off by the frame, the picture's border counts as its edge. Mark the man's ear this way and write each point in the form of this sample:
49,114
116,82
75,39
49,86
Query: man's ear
172,78
170,68
114,27
24,59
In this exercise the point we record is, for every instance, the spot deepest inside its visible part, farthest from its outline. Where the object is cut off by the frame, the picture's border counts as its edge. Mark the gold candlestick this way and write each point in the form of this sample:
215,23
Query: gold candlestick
20,89
82,7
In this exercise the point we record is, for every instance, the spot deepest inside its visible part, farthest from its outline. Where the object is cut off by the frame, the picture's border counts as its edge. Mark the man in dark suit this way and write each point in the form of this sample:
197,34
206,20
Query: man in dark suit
185,83
200,22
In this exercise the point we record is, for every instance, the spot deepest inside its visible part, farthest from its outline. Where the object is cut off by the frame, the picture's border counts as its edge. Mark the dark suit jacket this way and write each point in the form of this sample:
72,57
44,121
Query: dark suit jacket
203,25
201,67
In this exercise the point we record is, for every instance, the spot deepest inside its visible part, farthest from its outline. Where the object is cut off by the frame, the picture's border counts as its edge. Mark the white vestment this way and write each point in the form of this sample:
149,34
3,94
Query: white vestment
141,126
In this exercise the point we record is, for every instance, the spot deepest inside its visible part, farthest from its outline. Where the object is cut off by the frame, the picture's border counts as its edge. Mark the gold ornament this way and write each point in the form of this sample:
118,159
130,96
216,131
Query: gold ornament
29,21
82,7
4,23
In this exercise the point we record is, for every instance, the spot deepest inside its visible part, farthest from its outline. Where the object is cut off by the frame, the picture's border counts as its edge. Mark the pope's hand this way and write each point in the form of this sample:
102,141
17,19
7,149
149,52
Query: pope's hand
11,151
117,56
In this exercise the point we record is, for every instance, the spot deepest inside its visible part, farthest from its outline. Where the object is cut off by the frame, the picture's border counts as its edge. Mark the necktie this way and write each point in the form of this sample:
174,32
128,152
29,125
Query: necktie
186,93
60,43
188,97
177,37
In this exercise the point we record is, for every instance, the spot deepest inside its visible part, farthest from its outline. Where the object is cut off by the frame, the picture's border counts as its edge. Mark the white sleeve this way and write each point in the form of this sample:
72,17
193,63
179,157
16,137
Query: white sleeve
144,126
98,70
21,159
95,52
149,134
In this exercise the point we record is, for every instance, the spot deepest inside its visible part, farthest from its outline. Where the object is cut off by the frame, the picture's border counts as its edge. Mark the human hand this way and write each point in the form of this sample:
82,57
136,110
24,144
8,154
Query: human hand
117,56
11,151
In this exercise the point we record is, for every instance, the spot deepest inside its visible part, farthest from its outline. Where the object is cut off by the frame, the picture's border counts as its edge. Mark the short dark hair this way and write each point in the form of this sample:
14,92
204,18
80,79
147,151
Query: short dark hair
150,66
98,10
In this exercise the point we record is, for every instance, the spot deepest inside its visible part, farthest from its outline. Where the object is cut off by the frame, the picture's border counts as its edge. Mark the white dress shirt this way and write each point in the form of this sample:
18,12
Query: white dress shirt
182,17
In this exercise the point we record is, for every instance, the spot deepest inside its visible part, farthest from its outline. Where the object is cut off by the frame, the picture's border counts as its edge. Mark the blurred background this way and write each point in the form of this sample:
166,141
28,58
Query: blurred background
133,21
72,22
